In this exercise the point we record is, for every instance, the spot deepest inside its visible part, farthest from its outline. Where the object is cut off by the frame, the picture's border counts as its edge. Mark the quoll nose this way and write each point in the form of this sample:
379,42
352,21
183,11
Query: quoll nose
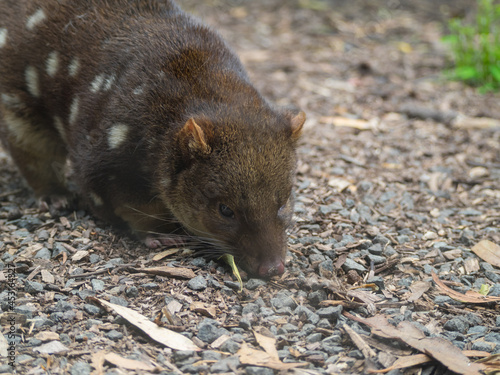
271,267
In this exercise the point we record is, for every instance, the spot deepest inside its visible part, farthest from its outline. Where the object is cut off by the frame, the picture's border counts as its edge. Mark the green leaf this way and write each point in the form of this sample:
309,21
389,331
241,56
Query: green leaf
485,289
495,72
452,39
229,259
466,73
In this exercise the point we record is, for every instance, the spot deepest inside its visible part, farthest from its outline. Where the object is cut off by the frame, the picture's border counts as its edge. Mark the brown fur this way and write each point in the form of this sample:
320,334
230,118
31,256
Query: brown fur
189,130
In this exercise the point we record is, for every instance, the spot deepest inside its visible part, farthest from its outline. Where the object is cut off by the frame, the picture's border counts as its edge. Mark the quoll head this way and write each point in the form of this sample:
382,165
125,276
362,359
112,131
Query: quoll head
233,186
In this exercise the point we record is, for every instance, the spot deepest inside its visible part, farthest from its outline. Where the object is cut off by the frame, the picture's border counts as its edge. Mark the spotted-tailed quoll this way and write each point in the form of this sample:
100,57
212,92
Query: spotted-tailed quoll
161,125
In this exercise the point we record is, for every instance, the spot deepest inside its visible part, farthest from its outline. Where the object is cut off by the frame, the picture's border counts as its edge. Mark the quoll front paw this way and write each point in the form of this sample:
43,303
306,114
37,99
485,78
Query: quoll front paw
53,203
167,240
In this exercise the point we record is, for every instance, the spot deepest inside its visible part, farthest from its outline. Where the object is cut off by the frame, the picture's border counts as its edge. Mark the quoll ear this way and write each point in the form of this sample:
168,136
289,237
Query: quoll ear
297,123
194,139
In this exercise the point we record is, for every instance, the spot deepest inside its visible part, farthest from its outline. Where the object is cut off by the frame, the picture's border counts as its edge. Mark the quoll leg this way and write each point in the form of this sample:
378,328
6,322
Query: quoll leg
38,151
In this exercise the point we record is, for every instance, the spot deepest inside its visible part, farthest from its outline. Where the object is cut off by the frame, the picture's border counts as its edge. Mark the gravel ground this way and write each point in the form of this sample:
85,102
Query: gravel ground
398,179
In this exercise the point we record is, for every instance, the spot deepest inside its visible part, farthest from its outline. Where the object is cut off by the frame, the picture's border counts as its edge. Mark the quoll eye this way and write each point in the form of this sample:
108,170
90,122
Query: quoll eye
225,211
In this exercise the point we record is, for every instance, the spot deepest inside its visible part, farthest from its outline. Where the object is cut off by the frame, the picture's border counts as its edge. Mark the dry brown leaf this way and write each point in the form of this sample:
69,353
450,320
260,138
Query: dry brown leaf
250,356
440,349
98,362
219,341
464,122
419,359
488,251
52,347
47,277
165,254
469,297
348,122
162,335
47,336
200,308
185,273
268,344
418,288
359,342
405,362
4,346
79,255
129,364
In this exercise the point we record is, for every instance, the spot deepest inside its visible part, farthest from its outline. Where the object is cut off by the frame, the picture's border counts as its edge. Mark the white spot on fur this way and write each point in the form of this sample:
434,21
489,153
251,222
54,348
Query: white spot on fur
117,135
73,110
96,199
58,123
3,37
35,19
12,101
96,84
52,63
138,90
74,67
109,82
31,76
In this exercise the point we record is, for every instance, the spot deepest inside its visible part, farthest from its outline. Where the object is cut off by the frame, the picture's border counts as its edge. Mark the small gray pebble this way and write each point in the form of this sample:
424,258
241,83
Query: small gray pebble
94,258
456,324
211,355
225,365
199,262
250,308
91,322
91,309
80,368
34,342
376,259
230,346
97,285
62,306
32,287
283,299
43,253
132,292
209,330
253,284
84,293
114,335
65,339
351,265
484,346
183,355
6,369
118,301
245,324
332,313
197,283
376,249
150,286
314,337
311,316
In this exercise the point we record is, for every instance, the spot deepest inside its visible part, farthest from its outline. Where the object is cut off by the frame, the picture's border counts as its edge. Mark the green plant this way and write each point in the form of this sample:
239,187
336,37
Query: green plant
476,47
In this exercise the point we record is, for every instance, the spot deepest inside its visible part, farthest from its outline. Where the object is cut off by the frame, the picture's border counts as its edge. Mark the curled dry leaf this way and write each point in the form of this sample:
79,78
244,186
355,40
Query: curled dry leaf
165,254
268,344
470,297
129,364
488,251
250,356
164,336
436,347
